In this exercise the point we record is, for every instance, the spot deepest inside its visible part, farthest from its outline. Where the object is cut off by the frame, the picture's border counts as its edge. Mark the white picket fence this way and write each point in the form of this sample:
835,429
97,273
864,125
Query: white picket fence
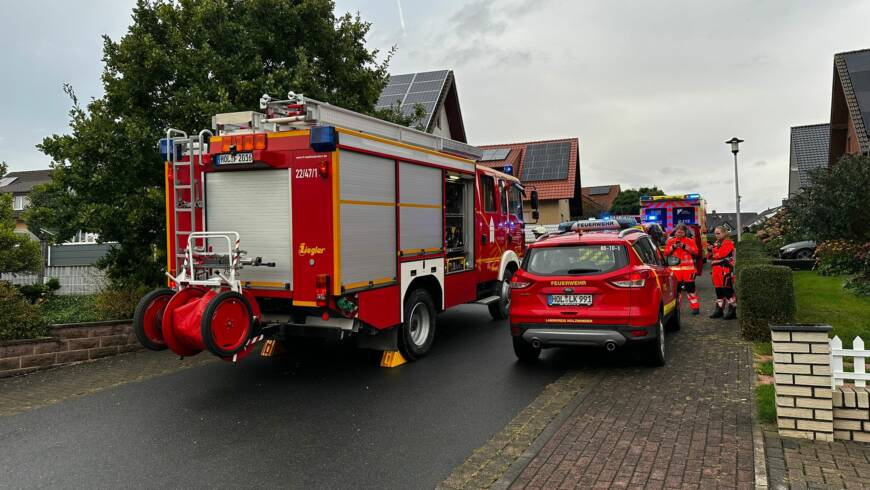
859,374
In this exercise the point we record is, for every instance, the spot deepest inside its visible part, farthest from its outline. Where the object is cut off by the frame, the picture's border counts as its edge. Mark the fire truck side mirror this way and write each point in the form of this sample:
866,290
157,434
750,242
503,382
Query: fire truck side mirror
535,215
534,200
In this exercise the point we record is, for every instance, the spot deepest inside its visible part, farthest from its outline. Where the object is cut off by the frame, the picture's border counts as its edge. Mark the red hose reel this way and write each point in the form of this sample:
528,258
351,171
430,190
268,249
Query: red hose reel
196,319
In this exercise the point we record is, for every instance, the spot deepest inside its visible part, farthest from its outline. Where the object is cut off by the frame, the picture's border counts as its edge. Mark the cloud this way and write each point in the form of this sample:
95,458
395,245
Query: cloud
683,185
672,171
759,163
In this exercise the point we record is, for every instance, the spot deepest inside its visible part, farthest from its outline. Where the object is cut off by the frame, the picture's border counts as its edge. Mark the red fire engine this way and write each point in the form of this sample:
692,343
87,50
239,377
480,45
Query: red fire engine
311,220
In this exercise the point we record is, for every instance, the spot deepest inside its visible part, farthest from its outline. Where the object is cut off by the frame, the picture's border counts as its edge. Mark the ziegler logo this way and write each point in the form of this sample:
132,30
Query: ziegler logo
306,250
567,283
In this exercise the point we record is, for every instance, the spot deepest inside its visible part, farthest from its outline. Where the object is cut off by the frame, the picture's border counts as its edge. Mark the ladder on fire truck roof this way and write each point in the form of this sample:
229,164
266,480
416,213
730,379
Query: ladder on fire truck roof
299,112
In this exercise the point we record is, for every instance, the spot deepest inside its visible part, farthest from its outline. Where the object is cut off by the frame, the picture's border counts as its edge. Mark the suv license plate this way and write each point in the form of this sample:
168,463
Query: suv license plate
569,300
238,158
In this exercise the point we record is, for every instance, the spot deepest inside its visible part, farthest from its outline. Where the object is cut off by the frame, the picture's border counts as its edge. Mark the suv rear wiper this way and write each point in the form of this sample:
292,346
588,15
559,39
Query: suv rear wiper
581,271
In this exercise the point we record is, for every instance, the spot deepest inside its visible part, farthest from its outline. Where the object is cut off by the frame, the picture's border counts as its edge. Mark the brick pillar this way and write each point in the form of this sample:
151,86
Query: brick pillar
802,376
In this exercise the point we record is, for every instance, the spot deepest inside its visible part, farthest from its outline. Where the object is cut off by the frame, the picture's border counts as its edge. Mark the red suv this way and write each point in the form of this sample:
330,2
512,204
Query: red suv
593,288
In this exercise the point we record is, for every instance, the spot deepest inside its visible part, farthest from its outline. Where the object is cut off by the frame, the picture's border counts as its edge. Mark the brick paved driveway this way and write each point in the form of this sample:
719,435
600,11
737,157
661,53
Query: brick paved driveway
686,425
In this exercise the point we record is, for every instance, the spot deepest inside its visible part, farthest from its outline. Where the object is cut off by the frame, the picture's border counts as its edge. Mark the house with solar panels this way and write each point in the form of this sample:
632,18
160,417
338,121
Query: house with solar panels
435,92
550,167
601,195
809,150
850,105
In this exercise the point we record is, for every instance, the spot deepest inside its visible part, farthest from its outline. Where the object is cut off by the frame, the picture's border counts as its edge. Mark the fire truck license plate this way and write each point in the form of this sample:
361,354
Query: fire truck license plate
569,300
235,159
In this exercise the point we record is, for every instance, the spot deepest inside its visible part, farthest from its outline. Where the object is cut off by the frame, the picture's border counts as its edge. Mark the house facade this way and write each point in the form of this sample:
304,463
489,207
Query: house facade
599,197
72,262
550,167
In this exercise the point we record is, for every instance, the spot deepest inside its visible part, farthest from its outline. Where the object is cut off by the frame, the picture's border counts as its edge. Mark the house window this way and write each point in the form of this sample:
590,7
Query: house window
20,202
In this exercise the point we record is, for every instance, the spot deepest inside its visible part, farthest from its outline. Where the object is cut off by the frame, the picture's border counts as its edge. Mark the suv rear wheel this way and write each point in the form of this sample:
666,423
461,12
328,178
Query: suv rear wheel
524,350
656,349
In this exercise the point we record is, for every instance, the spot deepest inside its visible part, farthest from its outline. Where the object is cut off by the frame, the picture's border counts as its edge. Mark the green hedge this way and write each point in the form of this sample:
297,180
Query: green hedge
765,297
750,252
18,318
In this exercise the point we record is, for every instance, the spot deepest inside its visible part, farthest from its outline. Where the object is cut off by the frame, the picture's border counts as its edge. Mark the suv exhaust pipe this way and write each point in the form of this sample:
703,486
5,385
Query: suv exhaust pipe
610,346
536,343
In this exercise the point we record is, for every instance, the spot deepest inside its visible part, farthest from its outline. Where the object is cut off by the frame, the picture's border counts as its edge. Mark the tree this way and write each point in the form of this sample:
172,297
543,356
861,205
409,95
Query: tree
835,206
179,63
628,200
18,253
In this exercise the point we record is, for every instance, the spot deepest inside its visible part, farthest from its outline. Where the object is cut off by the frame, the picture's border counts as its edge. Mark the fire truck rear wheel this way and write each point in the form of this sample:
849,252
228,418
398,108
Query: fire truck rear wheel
148,318
417,331
501,309
227,324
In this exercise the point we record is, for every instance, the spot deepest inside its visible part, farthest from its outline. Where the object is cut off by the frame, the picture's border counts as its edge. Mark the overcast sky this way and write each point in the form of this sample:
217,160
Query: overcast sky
651,89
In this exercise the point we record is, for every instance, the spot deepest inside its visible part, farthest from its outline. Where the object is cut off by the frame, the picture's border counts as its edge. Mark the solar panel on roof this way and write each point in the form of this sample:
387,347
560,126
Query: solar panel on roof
546,161
858,65
493,154
7,180
414,88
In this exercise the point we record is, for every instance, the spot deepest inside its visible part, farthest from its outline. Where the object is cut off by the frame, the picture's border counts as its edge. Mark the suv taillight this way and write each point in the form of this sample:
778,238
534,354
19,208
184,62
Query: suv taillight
321,289
631,280
520,282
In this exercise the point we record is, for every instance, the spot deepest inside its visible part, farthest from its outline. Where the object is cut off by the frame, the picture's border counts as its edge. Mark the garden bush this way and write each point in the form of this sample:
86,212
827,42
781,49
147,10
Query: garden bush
750,252
119,303
765,297
18,318
37,293
71,309
838,257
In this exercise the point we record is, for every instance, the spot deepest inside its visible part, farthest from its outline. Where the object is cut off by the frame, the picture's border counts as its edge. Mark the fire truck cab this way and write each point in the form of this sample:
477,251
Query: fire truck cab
311,220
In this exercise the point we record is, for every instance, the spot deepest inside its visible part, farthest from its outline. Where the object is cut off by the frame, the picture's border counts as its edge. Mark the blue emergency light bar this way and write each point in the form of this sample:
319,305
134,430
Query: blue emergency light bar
508,169
324,138
164,149
693,196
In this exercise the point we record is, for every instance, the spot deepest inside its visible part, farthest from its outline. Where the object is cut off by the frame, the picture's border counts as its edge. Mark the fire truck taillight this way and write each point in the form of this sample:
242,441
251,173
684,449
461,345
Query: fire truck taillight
321,289
243,142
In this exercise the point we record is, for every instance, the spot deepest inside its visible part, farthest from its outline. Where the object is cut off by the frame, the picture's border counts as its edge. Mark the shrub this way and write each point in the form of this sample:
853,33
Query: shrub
71,309
37,293
765,297
119,303
749,253
18,318
837,257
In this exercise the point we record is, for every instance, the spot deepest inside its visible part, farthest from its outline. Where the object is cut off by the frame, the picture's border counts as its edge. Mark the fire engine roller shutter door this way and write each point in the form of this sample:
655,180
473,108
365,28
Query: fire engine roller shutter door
421,213
367,190
256,204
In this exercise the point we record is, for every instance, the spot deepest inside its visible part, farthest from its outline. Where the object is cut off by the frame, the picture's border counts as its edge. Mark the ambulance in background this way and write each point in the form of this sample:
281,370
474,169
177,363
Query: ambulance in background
669,211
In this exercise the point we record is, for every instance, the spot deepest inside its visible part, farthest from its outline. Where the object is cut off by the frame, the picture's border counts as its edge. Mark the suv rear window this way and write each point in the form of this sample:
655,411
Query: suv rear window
575,260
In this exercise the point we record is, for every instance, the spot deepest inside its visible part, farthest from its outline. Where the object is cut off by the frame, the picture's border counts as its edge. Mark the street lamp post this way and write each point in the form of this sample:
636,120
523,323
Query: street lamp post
735,148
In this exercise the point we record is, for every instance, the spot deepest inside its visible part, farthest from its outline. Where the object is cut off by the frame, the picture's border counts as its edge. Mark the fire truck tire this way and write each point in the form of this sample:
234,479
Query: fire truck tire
227,324
501,309
417,332
148,318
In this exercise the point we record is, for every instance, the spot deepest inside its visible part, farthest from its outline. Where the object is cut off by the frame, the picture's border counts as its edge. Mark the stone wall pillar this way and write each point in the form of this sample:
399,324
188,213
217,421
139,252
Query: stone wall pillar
802,377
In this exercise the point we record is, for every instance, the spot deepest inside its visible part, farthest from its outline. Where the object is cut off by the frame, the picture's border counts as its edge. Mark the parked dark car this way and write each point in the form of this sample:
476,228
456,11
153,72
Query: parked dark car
798,250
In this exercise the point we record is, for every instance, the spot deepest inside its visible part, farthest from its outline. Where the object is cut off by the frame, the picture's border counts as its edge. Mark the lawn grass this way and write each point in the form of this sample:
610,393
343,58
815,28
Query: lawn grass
822,299
765,399
763,348
765,368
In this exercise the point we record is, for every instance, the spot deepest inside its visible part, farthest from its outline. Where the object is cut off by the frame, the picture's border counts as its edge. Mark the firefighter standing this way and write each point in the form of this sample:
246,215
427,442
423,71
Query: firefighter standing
722,259
683,247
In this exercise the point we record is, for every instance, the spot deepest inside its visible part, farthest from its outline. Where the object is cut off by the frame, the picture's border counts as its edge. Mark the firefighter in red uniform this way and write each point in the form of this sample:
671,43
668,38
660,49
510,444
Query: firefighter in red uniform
683,247
722,259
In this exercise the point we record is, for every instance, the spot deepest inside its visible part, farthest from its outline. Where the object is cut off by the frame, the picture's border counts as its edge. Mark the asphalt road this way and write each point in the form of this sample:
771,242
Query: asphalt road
329,419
